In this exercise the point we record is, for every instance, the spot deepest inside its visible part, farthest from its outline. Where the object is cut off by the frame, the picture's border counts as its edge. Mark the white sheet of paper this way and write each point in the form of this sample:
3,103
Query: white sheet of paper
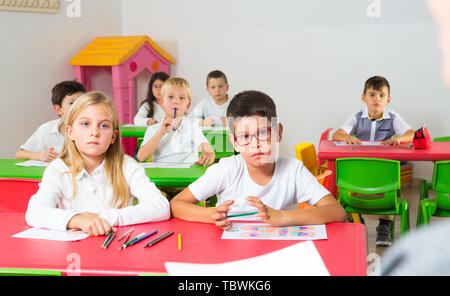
363,143
171,165
266,231
33,163
50,234
299,259
130,125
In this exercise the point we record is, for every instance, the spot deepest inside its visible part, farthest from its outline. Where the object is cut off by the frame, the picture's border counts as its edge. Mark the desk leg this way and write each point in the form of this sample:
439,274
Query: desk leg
332,180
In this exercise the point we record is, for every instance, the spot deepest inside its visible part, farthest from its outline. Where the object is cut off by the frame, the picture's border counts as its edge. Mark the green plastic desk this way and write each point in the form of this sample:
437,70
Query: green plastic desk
132,131
217,138
166,177
9,169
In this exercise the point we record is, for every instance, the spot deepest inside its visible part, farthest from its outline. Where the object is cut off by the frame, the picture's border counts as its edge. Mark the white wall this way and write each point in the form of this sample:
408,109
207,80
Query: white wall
311,57
34,55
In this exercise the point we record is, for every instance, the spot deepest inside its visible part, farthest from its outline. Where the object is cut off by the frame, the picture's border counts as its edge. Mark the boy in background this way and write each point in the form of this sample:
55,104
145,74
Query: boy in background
47,141
176,138
376,123
212,110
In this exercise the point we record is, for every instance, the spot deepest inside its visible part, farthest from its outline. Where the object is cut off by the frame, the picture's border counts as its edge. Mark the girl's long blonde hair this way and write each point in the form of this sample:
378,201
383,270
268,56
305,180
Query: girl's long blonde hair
114,158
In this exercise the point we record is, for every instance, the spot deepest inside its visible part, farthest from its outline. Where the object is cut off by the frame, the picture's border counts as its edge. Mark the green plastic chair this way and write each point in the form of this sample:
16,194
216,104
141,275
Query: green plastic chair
425,185
370,186
439,206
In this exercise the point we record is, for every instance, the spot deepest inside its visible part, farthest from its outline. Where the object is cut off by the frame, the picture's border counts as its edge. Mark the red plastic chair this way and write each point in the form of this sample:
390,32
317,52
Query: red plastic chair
16,192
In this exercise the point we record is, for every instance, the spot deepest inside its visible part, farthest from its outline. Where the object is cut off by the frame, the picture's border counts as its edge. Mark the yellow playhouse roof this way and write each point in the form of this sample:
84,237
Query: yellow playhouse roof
112,51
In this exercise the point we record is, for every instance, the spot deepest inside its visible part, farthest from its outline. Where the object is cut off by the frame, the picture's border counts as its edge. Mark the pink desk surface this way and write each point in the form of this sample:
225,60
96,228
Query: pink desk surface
344,252
327,151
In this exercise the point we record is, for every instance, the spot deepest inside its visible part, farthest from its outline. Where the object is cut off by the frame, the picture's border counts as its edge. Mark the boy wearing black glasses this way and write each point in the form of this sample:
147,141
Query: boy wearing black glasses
257,180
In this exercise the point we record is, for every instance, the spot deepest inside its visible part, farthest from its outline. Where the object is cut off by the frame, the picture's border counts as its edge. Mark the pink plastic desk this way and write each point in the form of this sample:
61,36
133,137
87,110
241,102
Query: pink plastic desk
344,252
327,151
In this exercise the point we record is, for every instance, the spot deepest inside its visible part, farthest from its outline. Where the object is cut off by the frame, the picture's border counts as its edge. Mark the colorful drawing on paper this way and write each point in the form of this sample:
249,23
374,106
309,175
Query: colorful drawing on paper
266,231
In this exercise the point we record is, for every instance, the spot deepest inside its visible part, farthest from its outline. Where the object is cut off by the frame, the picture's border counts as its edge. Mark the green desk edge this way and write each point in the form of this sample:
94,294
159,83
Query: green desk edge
28,272
164,177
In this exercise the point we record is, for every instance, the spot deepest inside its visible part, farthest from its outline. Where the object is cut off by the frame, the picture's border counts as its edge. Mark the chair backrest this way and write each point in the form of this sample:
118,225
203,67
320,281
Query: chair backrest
368,176
306,152
441,183
16,192
441,139
324,177
324,135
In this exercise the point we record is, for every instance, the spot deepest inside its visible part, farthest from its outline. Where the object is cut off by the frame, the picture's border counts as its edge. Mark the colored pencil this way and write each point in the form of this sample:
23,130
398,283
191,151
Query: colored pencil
174,116
125,234
240,215
110,240
106,240
179,241
143,237
137,237
158,239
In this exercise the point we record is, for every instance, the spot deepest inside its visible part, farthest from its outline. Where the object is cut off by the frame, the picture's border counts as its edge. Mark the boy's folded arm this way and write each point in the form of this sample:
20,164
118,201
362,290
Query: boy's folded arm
25,154
184,206
408,136
146,150
326,210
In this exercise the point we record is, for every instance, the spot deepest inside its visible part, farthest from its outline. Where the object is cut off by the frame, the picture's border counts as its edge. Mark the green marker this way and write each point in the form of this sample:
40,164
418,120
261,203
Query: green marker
136,238
240,215
106,240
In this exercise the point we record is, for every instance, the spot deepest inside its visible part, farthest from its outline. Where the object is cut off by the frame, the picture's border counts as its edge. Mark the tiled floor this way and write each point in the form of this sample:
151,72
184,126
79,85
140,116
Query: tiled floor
412,195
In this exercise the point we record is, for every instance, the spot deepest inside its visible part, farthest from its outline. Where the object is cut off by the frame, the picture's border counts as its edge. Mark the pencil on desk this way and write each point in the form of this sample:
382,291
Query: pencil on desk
131,241
143,237
110,239
240,215
179,241
125,234
106,240
158,239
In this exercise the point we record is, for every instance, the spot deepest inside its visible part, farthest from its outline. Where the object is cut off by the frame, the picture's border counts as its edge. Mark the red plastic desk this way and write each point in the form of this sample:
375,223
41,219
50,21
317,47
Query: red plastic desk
327,151
344,252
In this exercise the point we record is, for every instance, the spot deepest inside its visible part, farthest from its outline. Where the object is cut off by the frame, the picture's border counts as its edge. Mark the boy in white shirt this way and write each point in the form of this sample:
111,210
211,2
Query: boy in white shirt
47,141
376,123
176,138
212,110
257,179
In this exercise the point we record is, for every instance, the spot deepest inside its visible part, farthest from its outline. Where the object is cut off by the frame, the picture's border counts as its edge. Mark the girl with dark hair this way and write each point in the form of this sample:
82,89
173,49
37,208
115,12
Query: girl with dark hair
150,112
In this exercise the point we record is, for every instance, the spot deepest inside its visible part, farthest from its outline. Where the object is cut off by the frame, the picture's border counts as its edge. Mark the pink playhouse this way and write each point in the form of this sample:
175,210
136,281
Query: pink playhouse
124,57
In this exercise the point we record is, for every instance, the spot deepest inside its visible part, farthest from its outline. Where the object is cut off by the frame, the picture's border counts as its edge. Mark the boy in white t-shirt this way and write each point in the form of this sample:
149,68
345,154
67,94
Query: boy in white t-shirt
176,138
47,141
257,179
212,109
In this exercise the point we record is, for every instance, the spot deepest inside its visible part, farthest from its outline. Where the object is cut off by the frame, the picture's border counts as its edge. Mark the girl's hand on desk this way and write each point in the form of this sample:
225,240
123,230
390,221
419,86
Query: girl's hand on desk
48,154
90,223
266,213
220,215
